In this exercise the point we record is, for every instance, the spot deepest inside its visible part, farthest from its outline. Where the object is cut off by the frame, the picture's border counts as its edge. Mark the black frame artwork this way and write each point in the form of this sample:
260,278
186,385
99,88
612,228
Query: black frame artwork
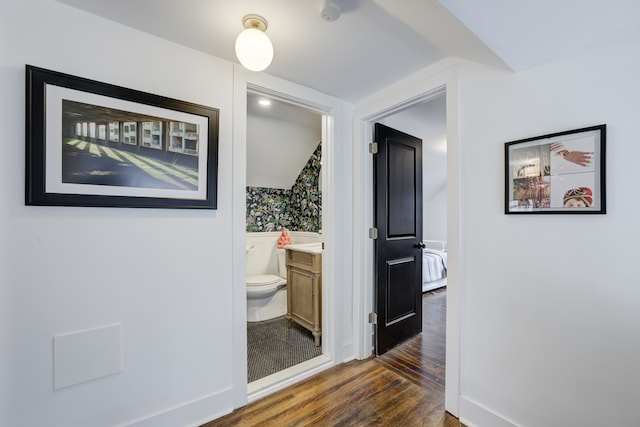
90,143
558,173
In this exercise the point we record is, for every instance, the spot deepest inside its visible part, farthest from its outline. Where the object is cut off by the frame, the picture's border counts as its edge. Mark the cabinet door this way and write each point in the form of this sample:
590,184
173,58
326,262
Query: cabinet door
302,295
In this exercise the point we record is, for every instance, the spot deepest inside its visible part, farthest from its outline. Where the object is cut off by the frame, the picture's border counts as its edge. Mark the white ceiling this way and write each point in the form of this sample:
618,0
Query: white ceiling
377,42
528,33
281,138
373,44
366,49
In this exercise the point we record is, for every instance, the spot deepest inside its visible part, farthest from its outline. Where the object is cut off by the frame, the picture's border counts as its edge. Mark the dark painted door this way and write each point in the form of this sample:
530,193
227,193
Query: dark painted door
398,254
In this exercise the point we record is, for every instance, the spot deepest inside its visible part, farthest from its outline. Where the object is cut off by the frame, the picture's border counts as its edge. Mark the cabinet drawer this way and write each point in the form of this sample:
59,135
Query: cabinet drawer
304,260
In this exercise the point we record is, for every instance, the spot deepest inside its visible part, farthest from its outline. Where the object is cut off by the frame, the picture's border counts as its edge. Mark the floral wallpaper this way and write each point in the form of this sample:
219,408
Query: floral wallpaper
297,209
306,197
268,209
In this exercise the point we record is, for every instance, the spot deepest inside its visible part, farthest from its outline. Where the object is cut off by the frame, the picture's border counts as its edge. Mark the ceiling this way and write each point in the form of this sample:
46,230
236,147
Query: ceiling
281,138
377,42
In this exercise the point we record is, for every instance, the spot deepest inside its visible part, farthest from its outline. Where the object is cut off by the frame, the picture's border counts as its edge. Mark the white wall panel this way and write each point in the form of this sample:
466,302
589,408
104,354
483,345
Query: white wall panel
551,305
164,275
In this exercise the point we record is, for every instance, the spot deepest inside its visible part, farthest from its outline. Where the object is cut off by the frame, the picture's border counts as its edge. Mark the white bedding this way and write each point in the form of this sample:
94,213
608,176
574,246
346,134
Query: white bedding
434,269
434,265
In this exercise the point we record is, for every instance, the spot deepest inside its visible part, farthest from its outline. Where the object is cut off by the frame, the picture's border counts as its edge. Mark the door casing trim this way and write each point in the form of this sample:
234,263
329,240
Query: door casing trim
333,124
419,87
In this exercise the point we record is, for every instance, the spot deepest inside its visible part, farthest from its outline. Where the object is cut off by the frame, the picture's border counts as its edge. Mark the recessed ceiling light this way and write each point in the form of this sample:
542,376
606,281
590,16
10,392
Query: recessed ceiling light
264,102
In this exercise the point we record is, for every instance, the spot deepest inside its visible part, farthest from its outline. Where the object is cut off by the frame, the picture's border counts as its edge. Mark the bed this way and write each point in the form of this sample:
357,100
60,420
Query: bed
434,265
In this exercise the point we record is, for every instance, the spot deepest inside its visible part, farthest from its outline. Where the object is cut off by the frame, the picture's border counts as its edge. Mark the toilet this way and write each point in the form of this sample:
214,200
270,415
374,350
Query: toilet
267,293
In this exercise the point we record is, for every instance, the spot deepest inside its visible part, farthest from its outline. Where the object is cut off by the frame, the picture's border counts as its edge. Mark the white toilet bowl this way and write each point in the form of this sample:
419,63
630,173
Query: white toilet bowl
267,294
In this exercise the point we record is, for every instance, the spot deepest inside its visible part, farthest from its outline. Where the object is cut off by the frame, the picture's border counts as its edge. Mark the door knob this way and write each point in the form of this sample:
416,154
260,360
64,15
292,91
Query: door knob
420,245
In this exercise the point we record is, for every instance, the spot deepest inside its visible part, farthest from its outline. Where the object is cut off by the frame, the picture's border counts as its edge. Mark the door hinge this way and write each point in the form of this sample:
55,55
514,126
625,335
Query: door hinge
373,148
373,233
373,318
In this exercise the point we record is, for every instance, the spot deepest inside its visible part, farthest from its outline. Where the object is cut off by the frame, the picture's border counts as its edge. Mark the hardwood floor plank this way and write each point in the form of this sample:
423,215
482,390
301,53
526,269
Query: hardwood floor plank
423,371
422,359
404,387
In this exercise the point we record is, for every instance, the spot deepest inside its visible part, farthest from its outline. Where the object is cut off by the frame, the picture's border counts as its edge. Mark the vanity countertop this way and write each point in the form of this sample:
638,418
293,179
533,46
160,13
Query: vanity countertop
313,248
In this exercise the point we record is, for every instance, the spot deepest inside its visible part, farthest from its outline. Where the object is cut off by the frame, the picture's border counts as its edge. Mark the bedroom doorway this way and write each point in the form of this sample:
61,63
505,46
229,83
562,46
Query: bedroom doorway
427,120
422,87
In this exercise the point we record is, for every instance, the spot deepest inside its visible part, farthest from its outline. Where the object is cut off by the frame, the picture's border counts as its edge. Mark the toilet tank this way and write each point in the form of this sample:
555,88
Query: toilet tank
282,267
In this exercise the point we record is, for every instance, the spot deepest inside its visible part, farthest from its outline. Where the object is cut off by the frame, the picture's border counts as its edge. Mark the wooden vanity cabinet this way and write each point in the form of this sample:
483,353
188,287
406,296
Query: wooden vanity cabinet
304,291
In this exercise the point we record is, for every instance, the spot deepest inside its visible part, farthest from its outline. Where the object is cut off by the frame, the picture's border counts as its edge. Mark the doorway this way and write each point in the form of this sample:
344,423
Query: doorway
425,120
415,89
290,117
284,209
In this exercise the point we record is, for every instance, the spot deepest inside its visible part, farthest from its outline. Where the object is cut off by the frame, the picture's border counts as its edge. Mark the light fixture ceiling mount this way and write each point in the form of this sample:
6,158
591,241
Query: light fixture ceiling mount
255,21
253,47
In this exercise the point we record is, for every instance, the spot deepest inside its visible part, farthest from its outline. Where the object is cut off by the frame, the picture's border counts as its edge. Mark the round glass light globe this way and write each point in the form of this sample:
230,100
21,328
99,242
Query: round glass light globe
254,49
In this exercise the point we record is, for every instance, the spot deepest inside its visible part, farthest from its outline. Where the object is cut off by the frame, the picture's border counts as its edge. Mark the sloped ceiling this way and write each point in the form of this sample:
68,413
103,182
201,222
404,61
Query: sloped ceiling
280,140
366,49
525,34
377,42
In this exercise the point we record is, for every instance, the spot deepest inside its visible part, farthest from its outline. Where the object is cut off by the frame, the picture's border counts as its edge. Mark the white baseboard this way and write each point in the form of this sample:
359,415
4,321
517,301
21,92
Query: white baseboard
473,414
193,413
348,352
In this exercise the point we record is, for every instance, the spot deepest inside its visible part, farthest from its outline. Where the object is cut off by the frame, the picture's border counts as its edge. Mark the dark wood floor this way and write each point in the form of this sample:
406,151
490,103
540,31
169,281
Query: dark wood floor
403,387
422,358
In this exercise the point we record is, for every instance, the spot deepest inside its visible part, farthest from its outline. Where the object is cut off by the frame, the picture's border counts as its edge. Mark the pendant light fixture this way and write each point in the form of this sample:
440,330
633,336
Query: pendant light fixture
253,47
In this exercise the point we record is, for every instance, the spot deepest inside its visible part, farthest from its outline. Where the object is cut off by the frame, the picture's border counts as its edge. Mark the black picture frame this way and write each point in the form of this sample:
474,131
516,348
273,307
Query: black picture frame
558,173
95,144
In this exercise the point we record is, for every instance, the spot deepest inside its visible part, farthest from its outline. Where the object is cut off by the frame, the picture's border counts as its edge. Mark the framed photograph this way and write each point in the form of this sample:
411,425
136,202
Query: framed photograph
95,144
559,173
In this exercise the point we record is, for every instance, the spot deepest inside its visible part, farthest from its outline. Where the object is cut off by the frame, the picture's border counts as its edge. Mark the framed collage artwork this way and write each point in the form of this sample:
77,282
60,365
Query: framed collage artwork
559,173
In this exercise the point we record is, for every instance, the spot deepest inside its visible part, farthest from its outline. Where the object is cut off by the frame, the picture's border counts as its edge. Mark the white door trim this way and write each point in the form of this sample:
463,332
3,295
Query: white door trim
418,87
333,124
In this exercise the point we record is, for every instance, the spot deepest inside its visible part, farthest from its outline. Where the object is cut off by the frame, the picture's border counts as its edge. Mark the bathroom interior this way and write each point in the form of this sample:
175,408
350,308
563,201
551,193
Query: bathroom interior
283,236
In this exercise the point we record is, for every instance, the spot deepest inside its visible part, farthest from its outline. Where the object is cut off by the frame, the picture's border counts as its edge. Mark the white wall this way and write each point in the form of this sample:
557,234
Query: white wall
428,121
166,276
542,310
551,305
161,274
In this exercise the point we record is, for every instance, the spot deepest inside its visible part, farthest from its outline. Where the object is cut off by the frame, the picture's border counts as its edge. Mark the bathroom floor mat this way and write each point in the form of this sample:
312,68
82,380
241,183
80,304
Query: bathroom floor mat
272,347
